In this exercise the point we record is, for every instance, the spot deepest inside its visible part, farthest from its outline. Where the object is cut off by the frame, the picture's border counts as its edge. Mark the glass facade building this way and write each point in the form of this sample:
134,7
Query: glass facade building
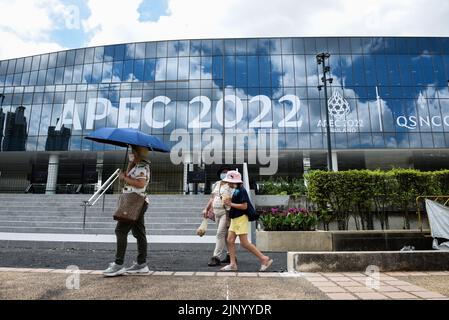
389,99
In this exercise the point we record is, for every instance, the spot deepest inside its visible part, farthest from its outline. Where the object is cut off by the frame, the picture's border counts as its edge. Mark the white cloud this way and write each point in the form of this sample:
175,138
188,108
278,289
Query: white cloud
26,26
255,18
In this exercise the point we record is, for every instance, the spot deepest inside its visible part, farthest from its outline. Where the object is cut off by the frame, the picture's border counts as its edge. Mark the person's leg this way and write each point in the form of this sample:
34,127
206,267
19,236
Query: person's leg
221,235
139,232
244,242
121,231
231,247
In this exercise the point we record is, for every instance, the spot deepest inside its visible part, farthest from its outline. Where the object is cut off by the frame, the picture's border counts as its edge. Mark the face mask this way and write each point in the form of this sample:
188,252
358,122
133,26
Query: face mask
222,176
131,157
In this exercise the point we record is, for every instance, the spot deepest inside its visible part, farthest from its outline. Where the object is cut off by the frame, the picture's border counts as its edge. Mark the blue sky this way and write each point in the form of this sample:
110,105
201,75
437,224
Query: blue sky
36,26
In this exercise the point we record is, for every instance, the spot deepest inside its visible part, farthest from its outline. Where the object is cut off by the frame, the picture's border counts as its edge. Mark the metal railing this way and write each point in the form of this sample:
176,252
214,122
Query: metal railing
97,195
418,207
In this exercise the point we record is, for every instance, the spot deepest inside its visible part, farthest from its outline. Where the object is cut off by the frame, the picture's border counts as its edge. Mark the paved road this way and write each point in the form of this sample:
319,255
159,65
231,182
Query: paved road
161,258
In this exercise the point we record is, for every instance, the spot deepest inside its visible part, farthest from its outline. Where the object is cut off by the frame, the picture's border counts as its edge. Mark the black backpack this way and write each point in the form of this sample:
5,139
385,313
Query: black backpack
252,214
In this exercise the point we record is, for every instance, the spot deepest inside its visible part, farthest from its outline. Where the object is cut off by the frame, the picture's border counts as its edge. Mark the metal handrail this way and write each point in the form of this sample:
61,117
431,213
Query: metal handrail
97,195
418,210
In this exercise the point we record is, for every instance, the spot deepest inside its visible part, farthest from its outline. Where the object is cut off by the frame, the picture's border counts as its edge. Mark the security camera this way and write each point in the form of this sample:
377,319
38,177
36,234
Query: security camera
330,80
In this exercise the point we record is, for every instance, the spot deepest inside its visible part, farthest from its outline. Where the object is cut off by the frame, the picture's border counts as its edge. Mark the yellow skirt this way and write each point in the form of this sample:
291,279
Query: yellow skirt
239,225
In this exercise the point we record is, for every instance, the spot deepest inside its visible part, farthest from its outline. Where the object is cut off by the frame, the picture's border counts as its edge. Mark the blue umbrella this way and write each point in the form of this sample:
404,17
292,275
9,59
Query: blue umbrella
124,137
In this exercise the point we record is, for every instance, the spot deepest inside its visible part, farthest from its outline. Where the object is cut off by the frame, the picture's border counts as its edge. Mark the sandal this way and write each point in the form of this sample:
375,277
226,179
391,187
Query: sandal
264,267
229,268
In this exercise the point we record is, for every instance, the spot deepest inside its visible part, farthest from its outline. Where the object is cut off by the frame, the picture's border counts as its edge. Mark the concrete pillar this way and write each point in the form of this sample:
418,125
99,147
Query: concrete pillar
52,175
334,161
306,165
188,166
100,158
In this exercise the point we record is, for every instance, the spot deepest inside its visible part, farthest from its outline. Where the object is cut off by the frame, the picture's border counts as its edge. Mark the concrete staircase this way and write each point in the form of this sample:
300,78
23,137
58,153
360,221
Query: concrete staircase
167,215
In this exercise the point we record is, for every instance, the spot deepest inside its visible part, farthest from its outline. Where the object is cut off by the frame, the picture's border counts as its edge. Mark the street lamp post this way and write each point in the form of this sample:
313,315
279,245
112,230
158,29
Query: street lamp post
321,60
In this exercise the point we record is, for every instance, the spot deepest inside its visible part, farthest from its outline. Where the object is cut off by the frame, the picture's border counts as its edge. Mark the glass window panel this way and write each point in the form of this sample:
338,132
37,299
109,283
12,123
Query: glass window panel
33,78
172,68
150,51
150,69
298,46
253,71
241,72
50,76
78,74
240,47
89,55
35,63
426,68
70,59
117,71
119,52
321,45
230,47
229,70
4,67
139,70
381,70
263,46
276,71
217,67
264,71
161,69
162,49
107,72
288,71
98,54
17,79
34,119
27,64
195,48
251,46
287,46
358,70
130,51
128,71
218,47
310,46
206,46
68,75
96,72
345,45
26,78
312,71
61,59
41,77
108,55
87,73
300,70
140,51
19,65
206,67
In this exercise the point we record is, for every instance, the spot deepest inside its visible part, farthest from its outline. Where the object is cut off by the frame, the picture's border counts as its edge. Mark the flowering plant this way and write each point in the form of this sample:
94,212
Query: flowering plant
291,219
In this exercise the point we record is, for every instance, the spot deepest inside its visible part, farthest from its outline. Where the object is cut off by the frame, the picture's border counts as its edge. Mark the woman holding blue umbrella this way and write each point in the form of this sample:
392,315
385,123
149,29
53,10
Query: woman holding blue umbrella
136,179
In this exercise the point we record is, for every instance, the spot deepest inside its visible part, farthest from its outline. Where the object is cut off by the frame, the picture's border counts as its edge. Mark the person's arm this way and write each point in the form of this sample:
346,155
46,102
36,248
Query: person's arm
208,206
239,206
136,183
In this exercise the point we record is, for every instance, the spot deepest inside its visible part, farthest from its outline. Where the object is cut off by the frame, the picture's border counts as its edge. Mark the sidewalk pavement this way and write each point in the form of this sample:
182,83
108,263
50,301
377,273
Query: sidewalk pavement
180,272
48,284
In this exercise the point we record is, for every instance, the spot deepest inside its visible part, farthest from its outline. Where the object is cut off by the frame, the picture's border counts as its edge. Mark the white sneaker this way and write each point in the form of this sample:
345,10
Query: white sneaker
138,268
114,270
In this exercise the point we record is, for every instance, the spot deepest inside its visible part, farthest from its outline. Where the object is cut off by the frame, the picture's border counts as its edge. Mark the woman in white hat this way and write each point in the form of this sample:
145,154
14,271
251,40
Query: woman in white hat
240,223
